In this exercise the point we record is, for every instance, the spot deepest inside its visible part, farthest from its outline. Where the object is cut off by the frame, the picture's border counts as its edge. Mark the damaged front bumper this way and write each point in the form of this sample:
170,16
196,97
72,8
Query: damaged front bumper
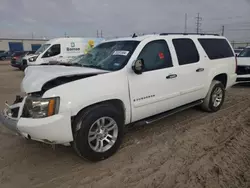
10,115
55,129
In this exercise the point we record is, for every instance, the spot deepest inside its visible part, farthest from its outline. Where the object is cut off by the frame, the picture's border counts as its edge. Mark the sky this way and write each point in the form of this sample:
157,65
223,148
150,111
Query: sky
116,18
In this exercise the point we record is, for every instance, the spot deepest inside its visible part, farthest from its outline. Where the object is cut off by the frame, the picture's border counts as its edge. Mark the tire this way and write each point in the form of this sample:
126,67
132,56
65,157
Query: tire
23,68
87,121
209,104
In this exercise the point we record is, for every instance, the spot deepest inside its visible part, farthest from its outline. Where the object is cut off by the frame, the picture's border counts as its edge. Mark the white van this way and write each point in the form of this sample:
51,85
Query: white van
61,49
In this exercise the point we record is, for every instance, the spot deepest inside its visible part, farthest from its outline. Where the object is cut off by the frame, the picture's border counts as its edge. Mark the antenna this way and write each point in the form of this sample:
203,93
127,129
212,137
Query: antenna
134,35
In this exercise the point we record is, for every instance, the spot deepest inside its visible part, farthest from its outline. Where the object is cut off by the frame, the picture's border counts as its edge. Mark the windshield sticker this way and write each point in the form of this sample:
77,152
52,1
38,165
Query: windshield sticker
121,52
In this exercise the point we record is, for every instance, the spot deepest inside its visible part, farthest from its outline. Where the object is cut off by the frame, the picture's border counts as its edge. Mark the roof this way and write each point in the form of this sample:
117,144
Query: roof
73,38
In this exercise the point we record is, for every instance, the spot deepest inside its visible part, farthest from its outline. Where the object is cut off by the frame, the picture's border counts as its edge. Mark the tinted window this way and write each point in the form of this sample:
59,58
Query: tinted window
245,53
186,51
53,51
156,55
216,48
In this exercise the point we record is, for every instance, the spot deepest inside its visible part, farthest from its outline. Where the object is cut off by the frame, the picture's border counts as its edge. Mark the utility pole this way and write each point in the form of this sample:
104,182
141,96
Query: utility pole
65,34
32,35
185,28
101,33
97,34
198,23
223,30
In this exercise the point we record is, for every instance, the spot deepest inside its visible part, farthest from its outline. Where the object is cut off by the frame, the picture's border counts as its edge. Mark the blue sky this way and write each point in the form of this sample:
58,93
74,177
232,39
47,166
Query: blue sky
52,18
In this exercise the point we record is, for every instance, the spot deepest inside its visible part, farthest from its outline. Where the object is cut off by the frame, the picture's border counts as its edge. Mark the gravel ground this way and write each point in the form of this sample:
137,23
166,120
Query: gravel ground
189,149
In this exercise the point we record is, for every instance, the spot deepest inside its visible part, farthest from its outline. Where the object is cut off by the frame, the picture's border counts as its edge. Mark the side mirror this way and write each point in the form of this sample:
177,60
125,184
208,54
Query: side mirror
138,66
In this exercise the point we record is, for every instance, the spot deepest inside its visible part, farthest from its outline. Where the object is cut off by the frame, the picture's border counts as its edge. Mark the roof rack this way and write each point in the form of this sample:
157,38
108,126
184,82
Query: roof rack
188,34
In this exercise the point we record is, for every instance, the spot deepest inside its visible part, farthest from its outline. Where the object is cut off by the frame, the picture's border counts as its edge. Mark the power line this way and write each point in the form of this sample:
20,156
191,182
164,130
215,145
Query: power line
198,23
239,29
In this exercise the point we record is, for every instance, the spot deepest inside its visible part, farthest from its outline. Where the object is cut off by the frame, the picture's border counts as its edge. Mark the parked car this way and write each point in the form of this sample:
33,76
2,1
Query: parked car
121,81
61,49
243,68
6,55
16,58
2,51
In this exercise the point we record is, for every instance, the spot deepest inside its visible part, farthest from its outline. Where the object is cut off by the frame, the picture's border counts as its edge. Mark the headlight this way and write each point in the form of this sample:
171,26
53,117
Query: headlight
32,59
40,108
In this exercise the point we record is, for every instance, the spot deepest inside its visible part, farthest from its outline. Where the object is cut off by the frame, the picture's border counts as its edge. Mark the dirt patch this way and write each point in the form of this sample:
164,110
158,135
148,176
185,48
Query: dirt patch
189,149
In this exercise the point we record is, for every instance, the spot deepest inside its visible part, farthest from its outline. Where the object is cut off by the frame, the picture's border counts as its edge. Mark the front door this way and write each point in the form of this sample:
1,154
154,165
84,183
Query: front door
157,89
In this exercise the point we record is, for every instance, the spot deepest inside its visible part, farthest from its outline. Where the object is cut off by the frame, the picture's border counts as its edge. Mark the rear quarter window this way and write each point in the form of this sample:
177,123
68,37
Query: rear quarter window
216,48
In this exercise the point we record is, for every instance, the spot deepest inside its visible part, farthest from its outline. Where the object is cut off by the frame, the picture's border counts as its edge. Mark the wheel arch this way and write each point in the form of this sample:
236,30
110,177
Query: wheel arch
223,78
116,103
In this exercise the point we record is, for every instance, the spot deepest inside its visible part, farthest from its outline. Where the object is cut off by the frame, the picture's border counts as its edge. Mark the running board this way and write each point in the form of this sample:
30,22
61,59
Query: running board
161,116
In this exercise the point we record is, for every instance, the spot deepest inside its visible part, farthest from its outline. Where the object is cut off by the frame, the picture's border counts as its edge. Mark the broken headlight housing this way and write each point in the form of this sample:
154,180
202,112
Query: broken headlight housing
41,108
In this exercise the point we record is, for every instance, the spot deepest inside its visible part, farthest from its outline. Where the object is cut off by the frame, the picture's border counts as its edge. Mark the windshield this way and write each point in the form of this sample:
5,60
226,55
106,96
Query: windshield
42,49
76,59
245,53
237,51
110,56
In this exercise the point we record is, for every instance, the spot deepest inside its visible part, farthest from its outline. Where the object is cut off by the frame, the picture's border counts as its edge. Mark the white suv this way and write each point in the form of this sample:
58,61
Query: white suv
121,81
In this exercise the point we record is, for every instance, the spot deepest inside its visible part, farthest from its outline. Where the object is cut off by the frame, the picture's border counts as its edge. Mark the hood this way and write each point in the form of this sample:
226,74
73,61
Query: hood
29,56
37,76
243,61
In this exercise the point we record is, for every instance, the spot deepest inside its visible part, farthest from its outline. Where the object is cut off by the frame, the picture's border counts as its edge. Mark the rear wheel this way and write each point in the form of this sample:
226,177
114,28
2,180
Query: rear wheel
215,97
98,132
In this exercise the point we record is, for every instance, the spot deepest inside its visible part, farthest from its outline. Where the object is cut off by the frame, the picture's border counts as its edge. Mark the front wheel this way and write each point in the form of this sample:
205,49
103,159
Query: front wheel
98,132
215,97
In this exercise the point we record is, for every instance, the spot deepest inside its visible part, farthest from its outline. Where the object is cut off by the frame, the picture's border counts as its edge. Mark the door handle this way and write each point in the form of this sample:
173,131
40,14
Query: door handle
200,70
171,76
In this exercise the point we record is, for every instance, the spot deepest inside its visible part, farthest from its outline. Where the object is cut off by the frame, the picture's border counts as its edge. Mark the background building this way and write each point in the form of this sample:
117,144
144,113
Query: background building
20,44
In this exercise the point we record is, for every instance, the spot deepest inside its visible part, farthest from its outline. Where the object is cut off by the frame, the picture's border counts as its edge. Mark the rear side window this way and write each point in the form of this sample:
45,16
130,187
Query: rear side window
186,51
156,55
216,48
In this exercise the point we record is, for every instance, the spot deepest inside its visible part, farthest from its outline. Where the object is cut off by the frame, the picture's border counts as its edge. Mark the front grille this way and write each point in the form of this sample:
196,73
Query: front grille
25,62
14,112
241,70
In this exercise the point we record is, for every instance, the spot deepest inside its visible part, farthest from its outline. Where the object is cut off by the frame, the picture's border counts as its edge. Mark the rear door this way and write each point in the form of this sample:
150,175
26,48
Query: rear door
192,70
